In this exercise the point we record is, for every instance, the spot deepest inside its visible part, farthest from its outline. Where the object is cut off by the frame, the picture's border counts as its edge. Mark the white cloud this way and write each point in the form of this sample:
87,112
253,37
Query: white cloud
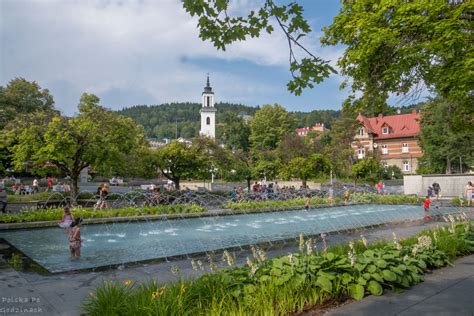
133,47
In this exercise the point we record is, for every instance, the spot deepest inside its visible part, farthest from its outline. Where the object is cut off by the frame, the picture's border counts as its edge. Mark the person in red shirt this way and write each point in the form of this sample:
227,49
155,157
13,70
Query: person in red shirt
50,184
426,206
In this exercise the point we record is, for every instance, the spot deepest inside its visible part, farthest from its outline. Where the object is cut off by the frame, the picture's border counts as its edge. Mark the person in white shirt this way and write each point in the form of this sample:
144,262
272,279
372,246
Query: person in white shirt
35,186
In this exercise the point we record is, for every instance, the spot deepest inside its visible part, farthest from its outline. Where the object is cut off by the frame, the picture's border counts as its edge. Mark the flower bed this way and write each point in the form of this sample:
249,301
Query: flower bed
291,283
56,214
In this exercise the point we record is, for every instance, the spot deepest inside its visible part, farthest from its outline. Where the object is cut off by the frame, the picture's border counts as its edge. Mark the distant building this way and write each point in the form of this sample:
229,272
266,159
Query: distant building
155,144
318,127
394,137
245,117
208,112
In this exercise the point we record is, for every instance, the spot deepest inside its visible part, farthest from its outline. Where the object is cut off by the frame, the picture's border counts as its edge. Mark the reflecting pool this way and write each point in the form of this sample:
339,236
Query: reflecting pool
111,244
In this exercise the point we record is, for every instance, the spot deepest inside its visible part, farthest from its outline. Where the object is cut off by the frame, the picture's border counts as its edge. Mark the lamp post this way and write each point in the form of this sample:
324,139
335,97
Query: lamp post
213,171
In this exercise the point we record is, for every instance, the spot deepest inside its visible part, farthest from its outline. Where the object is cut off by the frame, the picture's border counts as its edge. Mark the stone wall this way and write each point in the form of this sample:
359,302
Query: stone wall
451,184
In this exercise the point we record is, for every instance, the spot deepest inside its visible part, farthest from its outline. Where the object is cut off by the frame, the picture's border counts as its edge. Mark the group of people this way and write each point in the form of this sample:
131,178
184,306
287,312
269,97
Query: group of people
72,226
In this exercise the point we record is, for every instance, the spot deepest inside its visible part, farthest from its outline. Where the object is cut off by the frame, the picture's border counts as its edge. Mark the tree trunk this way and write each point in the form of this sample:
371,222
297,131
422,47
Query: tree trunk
74,189
176,183
248,183
304,183
448,166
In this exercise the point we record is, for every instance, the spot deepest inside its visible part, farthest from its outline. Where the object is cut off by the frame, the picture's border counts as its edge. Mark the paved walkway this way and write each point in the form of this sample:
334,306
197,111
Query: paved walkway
447,291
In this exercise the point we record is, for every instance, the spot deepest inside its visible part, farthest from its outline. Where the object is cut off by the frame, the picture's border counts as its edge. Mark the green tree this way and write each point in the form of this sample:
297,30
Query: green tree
292,146
306,168
22,96
445,145
336,144
399,46
390,172
96,138
268,127
366,168
218,26
234,132
180,160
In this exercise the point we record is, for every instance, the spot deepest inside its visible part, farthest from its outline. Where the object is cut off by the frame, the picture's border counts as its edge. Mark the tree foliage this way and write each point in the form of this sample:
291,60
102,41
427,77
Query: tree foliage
234,132
96,138
445,145
268,127
399,46
367,168
161,121
22,96
218,26
306,168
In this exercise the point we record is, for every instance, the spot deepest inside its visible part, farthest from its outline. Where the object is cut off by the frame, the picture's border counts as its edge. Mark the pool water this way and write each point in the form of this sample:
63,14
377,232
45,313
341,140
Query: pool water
118,243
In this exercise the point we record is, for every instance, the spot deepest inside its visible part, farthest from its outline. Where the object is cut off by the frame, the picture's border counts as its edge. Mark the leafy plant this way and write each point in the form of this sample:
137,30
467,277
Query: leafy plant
288,284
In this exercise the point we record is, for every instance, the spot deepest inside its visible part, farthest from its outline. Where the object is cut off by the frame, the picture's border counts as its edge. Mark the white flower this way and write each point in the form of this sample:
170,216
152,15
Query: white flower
290,258
364,241
301,245
309,247
194,265
200,264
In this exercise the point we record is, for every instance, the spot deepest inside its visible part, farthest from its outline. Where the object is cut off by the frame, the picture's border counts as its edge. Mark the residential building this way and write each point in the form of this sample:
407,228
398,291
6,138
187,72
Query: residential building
393,137
318,127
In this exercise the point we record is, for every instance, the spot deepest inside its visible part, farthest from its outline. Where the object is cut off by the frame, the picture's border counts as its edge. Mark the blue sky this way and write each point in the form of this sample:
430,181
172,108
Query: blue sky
148,52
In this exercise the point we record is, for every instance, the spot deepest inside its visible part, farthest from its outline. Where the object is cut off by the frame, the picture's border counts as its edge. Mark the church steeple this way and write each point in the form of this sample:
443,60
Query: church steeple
207,88
208,112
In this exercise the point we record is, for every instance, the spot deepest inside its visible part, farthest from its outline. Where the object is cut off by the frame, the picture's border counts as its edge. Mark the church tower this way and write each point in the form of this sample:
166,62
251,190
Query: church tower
208,112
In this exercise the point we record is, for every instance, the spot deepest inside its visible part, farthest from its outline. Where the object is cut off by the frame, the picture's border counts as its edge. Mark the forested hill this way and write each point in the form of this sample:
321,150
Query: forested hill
160,121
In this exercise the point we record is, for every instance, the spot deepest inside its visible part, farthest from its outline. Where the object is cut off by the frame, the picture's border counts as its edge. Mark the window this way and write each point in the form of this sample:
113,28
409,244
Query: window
406,166
361,131
404,147
208,101
361,152
208,120
384,149
385,130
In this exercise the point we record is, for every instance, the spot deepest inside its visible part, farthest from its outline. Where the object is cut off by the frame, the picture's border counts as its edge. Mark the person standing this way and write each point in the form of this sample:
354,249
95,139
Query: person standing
468,193
75,241
346,197
103,196
308,202
331,196
426,207
379,187
35,186
436,189
50,184
3,198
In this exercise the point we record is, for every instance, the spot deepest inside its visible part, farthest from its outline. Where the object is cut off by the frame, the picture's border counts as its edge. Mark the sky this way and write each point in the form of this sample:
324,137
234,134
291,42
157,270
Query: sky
131,52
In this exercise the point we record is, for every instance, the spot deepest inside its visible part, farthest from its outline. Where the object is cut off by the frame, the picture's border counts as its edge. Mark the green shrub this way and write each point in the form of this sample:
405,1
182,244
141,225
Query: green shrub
56,214
288,284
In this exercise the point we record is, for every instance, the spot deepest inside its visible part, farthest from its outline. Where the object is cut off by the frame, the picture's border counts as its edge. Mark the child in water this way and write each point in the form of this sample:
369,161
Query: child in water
67,218
426,206
308,202
75,239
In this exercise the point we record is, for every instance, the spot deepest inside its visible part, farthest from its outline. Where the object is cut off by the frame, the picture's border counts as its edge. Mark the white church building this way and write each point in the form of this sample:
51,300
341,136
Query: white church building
208,112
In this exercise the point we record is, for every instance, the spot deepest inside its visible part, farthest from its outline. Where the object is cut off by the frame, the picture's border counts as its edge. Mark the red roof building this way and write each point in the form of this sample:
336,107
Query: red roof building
394,137
318,127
